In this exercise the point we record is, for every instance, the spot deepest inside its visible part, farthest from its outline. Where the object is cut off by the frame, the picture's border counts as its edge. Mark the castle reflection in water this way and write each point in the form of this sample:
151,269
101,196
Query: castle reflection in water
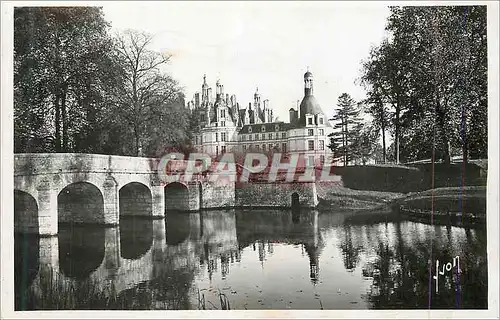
258,259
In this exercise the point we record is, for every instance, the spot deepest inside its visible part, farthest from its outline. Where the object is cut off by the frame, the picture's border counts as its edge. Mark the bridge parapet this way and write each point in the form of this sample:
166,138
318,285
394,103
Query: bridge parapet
51,163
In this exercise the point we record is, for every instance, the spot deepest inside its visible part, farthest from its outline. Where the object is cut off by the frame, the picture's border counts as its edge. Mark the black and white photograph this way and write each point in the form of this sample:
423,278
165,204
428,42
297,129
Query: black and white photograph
252,159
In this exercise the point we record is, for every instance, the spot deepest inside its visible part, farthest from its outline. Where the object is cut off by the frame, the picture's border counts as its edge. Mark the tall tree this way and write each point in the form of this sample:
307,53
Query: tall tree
431,70
364,143
57,50
151,103
346,118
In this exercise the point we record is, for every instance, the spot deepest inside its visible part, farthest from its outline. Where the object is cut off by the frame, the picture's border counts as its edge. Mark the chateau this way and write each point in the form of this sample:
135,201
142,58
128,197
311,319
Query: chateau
225,127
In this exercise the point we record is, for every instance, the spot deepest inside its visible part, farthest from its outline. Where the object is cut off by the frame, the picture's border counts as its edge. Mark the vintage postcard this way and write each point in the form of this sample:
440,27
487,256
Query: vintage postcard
250,159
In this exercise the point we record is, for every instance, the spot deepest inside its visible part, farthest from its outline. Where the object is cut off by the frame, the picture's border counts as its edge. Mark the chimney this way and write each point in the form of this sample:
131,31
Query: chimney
292,115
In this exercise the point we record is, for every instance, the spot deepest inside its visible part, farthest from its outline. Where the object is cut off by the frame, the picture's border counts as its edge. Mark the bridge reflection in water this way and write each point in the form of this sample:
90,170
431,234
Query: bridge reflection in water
258,258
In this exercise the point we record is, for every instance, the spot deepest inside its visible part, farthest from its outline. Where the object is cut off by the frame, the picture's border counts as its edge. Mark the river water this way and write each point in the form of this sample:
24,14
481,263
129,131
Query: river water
251,259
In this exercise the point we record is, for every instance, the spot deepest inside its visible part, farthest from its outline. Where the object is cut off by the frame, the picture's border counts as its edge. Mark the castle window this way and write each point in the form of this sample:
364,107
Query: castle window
321,120
311,161
223,149
322,159
256,147
223,123
321,145
263,147
216,137
244,147
270,136
321,132
244,137
310,132
217,150
263,129
223,113
310,121
202,117
283,135
283,147
310,144
249,137
270,147
223,136
256,136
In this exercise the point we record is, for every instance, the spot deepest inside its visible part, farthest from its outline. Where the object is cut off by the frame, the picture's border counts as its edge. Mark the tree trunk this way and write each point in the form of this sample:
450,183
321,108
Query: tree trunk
64,122
137,146
343,141
397,129
444,135
346,142
382,127
463,133
57,122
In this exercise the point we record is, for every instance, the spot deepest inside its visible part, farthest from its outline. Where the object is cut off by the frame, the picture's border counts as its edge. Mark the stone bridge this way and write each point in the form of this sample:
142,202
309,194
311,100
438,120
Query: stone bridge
58,188
88,188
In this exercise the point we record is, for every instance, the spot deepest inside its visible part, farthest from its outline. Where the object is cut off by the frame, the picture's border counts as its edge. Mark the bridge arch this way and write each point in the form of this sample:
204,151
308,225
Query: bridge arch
26,241
135,199
25,213
176,197
80,202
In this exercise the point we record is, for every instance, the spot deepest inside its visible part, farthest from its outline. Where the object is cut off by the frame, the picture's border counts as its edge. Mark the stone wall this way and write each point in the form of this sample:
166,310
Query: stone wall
275,194
29,163
218,194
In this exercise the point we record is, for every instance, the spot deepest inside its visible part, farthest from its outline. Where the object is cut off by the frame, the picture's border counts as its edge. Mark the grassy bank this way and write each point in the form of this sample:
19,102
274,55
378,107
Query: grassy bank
465,205
337,197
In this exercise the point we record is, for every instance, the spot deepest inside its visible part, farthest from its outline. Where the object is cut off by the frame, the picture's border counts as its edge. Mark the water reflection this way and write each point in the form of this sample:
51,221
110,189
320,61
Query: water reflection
136,236
81,250
263,259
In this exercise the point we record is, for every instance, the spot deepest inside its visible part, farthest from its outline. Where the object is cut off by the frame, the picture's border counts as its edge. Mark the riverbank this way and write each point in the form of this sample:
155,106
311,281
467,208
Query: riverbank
451,205
459,205
356,200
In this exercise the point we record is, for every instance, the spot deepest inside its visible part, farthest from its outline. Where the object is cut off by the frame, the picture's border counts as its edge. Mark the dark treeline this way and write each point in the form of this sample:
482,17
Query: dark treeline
78,88
426,87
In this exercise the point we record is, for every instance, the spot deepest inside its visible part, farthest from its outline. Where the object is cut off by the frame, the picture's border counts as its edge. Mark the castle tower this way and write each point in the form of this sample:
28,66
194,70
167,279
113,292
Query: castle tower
256,99
308,83
205,90
256,106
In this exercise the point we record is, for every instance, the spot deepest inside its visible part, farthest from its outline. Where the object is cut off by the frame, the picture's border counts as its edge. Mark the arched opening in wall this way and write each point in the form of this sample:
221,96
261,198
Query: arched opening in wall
176,197
295,208
26,245
81,249
136,226
135,200
25,213
80,202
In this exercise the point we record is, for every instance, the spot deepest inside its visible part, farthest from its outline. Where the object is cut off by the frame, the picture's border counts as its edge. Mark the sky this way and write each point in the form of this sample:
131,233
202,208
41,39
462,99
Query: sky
268,45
